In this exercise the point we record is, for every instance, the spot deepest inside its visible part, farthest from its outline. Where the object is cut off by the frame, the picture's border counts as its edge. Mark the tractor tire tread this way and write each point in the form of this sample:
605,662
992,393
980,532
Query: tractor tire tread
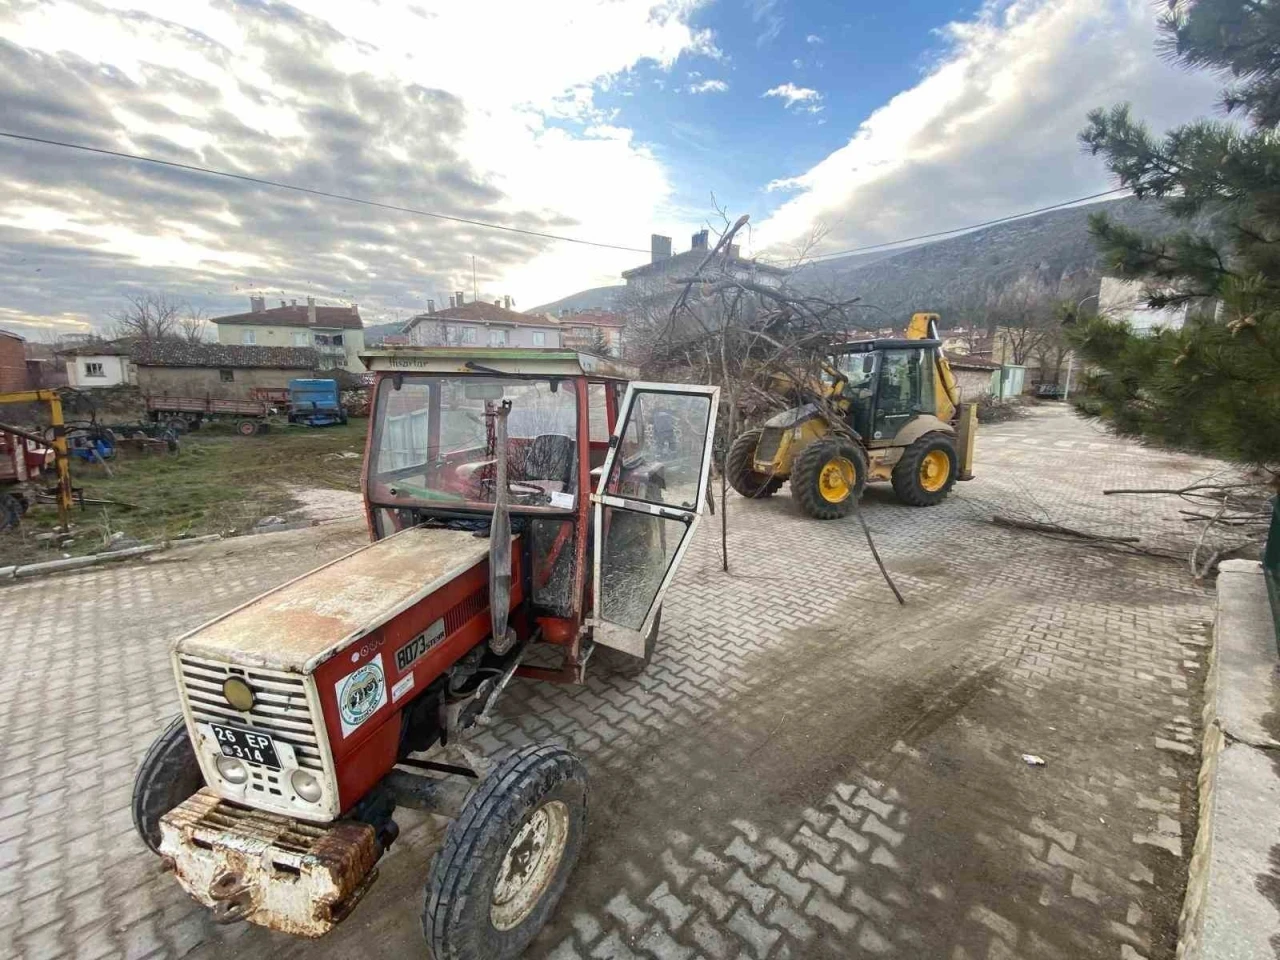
166,771
906,472
804,478
738,471
493,812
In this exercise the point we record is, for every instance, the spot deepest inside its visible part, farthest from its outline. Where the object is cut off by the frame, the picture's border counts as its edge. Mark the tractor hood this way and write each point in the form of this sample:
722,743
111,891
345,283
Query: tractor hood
302,623
792,417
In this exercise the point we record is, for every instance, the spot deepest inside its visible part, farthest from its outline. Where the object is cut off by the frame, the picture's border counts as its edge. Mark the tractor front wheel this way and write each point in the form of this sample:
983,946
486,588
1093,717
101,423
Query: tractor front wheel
828,477
246,428
507,858
927,471
169,774
740,472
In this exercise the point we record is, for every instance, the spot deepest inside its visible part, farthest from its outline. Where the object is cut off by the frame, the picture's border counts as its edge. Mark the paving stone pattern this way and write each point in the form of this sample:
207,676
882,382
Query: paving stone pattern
806,769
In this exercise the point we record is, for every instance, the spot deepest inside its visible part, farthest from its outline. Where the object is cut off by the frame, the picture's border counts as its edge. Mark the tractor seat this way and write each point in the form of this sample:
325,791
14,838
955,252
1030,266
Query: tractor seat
550,458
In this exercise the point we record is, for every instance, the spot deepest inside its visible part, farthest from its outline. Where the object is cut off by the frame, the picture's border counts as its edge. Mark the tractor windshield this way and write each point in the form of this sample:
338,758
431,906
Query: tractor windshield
434,441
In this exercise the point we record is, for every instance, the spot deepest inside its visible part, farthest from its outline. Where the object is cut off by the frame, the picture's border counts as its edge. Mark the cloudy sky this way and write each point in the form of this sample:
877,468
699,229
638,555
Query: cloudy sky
598,119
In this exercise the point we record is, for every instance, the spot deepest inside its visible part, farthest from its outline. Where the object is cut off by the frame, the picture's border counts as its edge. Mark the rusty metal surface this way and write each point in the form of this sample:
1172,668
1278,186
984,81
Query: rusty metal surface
270,870
304,622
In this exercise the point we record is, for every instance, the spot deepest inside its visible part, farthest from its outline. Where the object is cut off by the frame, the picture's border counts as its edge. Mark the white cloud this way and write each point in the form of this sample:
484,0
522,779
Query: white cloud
991,127
708,86
813,38
366,97
802,98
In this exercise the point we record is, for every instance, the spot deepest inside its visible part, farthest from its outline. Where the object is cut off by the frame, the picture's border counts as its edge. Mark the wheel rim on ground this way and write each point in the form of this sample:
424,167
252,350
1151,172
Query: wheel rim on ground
935,467
529,865
836,479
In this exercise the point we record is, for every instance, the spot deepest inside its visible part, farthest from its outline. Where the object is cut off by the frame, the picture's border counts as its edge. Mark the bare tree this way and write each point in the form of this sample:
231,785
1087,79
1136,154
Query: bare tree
193,327
148,316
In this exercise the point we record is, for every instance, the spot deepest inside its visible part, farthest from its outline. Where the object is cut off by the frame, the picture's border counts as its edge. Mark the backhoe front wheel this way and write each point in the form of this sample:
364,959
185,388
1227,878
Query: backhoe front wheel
828,477
927,471
740,471
508,856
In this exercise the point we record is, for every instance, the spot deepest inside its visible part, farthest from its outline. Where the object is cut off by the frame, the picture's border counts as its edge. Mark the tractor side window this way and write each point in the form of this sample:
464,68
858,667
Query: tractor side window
906,382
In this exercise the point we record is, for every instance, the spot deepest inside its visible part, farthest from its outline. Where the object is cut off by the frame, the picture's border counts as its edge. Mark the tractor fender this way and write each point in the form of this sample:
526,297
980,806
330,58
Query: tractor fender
917,428
793,417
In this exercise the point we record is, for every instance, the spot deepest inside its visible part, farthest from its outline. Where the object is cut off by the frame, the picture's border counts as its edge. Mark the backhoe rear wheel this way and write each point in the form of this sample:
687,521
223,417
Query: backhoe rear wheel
739,470
828,478
927,471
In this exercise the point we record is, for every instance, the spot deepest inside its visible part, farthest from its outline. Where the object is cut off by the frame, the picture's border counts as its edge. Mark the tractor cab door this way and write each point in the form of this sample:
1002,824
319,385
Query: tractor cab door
903,392
653,489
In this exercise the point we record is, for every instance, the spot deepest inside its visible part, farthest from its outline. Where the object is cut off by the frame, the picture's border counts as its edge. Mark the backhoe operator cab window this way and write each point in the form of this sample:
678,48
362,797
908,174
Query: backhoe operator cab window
435,436
906,382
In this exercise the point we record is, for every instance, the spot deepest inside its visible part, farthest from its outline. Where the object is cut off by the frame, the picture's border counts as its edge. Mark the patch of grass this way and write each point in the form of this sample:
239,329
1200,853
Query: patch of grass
218,482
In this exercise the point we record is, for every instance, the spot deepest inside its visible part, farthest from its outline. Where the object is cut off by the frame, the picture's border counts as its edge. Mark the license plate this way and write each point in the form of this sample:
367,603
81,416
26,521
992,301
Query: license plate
417,648
246,745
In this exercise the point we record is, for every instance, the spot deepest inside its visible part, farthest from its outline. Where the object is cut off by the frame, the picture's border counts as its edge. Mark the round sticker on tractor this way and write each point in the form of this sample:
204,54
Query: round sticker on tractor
360,694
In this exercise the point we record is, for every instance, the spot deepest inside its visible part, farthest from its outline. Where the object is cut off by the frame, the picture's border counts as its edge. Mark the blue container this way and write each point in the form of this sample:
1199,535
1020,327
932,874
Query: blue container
317,403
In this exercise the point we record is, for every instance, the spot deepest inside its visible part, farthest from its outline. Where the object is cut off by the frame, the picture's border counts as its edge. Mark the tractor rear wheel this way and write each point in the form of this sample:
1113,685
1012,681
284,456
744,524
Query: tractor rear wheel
168,775
507,858
246,428
739,470
828,478
927,471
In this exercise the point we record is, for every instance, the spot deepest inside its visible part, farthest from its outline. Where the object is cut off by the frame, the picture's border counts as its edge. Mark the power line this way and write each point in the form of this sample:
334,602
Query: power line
972,226
317,193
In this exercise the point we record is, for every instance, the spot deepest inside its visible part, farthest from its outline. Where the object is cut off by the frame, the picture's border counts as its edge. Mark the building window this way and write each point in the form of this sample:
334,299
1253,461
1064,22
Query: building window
94,370
337,340
249,337
226,375
539,338
301,339
468,334
497,338
450,334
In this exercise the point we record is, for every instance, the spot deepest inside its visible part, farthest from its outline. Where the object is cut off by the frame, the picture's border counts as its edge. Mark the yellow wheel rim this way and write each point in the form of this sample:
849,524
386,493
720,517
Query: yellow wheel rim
836,480
935,468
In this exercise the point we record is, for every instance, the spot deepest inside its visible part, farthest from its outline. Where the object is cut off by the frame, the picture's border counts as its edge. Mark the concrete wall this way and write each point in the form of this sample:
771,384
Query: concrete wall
263,335
13,365
115,371
461,333
208,382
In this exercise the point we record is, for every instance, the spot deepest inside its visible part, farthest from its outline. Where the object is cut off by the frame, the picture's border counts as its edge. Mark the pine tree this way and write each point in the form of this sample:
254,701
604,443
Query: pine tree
1213,385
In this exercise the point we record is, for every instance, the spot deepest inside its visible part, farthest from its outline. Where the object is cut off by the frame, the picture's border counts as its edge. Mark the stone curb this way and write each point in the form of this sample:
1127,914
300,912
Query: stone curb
1226,915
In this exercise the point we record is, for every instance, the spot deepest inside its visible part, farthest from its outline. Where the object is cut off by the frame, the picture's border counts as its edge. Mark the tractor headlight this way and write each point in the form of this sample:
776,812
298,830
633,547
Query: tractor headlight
238,693
232,770
305,786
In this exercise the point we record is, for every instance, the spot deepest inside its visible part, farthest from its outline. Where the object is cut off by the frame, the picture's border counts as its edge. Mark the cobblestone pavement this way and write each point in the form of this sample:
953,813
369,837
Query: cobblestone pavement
806,769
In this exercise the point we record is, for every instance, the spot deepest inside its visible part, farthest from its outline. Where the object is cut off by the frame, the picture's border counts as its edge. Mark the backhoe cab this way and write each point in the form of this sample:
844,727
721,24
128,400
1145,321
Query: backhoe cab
885,409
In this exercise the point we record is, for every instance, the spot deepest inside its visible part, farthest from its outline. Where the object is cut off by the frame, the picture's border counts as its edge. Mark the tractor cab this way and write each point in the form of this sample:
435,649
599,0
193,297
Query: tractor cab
887,383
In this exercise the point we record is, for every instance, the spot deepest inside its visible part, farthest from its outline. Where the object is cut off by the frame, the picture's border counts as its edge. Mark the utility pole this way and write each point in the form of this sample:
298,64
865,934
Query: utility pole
475,290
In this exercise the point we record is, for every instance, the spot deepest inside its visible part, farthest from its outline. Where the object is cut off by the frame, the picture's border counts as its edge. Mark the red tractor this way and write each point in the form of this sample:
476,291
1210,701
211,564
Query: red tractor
515,499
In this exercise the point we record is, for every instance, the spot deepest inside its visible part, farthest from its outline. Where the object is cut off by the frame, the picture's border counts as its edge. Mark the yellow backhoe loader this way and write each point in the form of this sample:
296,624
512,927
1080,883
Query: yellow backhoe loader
884,409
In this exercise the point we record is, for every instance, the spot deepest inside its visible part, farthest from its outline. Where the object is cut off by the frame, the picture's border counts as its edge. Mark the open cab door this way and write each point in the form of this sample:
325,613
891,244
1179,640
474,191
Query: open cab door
653,489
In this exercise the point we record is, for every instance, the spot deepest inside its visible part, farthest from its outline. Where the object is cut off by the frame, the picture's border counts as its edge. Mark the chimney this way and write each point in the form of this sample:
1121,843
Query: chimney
659,248
311,309
452,301
431,306
293,303
497,303
257,304
699,241
458,295
355,309
283,304
506,301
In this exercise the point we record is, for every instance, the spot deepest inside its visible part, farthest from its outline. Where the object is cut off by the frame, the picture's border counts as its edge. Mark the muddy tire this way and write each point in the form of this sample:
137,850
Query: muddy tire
927,471
246,428
738,468
828,478
177,425
168,775
621,664
508,856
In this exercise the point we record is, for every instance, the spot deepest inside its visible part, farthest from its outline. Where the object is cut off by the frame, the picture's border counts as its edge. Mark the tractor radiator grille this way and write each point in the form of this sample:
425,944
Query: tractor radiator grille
767,446
280,708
